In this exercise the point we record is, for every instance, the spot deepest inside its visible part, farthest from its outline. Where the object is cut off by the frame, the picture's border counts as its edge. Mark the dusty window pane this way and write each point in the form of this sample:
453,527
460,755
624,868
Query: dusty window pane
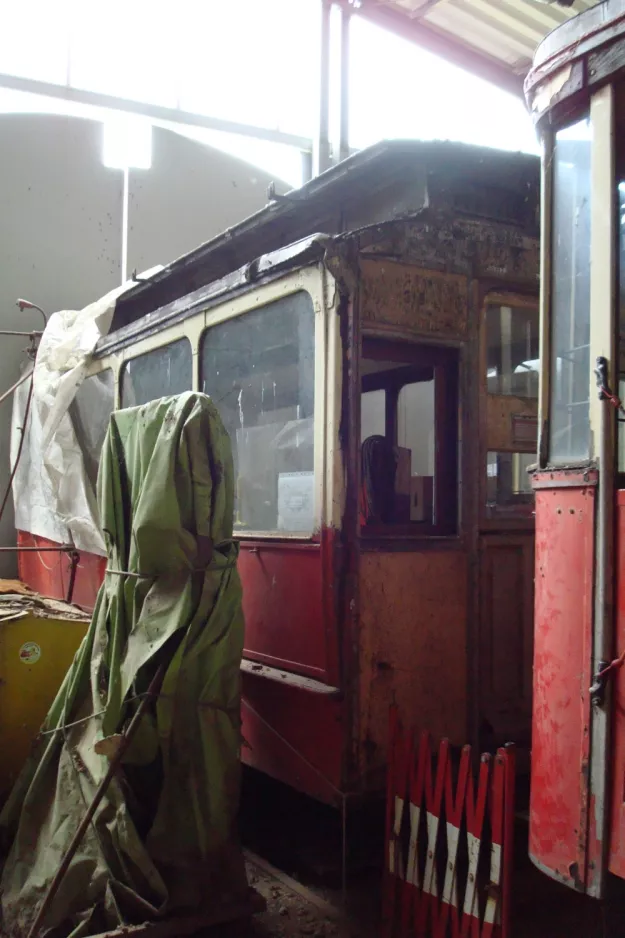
415,426
508,485
570,364
90,411
512,351
372,414
259,370
414,479
163,372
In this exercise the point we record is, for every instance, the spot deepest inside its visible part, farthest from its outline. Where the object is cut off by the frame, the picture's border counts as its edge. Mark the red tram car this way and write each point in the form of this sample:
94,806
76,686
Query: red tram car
379,382
576,92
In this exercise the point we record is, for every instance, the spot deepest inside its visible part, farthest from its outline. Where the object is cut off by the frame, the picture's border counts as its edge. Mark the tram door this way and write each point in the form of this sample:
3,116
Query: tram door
508,421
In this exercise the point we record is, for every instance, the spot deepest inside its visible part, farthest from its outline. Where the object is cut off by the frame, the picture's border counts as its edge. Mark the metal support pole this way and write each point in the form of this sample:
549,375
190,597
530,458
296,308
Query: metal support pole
346,16
322,138
307,166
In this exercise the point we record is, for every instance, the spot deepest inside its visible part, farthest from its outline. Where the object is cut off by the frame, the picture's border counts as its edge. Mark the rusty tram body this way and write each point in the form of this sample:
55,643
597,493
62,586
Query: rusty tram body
401,344
576,92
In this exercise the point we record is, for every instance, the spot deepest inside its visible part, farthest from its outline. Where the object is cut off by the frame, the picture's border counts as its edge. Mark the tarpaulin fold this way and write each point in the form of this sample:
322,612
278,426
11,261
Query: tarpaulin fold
52,493
163,839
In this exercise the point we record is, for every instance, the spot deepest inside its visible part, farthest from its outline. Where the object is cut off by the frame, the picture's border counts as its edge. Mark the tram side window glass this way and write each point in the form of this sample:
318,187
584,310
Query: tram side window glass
161,372
508,485
569,426
416,426
259,369
90,412
512,361
409,440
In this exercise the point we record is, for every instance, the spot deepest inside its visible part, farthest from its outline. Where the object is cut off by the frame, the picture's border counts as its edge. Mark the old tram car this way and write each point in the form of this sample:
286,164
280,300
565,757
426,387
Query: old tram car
379,383
576,92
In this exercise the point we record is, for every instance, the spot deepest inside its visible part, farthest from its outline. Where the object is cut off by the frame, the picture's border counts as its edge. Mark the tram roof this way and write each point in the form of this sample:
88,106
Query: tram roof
392,179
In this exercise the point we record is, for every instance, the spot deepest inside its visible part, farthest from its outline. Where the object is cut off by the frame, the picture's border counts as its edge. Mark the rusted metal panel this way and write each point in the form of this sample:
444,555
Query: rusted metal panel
412,646
564,478
617,760
50,573
559,805
422,301
480,248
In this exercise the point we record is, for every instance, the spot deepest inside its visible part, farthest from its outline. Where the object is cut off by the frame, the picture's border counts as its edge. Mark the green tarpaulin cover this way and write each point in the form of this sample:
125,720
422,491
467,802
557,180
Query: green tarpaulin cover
163,839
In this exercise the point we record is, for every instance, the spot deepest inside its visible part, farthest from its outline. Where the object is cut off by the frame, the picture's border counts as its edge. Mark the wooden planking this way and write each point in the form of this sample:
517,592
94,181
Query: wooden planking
506,635
413,639
424,301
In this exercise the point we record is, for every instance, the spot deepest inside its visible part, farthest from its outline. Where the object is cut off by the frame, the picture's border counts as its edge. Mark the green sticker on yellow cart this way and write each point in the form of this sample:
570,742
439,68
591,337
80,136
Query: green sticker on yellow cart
30,653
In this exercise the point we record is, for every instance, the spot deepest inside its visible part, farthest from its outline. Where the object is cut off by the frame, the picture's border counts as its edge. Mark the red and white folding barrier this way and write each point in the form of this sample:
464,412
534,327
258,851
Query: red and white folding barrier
449,839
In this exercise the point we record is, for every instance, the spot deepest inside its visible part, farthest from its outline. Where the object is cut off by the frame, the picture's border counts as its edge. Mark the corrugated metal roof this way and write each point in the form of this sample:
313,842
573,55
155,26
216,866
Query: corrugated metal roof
493,38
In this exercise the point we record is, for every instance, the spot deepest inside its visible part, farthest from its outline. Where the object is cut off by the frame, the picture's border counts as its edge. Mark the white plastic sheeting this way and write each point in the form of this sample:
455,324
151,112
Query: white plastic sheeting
52,493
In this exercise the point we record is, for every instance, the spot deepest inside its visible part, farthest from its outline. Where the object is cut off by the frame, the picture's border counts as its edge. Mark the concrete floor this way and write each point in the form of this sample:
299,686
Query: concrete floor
302,839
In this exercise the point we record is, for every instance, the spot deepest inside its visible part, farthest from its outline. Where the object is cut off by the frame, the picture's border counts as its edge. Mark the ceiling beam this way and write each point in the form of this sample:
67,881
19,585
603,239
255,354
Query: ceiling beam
155,112
453,50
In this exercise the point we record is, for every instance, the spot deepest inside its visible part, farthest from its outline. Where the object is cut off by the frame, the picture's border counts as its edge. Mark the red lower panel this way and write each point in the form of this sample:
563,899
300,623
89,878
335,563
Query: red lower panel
617,763
562,656
294,736
283,603
49,572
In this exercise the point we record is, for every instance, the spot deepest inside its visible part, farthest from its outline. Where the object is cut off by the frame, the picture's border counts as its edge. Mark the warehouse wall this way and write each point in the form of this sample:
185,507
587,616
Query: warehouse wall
61,225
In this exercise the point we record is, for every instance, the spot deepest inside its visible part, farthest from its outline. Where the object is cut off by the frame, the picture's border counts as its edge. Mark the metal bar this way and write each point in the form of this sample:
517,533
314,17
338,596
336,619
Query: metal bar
603,330
125,207
75,557
126,739
329,911
15,386
546,214
63,549
346,16
307,166
508,840
154,111
321,151
29,335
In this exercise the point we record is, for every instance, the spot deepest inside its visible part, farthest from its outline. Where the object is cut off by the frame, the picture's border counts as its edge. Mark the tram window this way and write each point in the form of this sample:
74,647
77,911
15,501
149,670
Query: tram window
409,433
162,372
569,426
508,485
90,412
512,361
416,426
259,369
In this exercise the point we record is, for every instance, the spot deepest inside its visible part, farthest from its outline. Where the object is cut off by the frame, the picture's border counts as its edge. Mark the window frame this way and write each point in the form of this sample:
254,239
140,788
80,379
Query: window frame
173,339
512,301
442,364
520,517
318,281
318,408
